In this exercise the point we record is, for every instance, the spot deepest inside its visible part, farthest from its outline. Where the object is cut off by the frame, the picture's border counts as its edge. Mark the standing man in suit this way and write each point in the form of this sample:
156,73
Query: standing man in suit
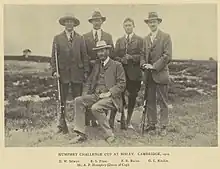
72,62
95,35
157,55
91,38
128,50
106,83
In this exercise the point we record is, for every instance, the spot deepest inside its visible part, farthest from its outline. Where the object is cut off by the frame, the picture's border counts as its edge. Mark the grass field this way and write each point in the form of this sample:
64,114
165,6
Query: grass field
193,116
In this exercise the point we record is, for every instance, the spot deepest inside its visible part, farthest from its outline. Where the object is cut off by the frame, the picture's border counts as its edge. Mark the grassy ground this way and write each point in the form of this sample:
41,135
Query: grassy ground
191,124
193,118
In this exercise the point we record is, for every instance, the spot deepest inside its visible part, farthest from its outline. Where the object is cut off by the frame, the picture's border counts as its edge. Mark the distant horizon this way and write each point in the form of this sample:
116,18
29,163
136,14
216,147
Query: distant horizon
192,27
206,59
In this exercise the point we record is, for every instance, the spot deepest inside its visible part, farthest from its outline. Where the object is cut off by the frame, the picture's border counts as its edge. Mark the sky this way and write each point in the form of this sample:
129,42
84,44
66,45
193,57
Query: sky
192,27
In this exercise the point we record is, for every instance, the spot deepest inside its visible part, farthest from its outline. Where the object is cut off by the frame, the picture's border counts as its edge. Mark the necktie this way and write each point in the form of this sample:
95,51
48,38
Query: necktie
128,39
102,64
127,42
96,36
71,37
152,36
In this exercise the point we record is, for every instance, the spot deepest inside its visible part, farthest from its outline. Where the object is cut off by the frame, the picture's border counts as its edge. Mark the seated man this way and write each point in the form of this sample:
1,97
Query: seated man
106,84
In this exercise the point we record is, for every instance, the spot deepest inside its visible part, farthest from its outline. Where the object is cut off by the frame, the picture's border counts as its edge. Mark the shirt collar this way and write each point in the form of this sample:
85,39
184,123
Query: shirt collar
68,33
106,61
98,31
130,35
154,33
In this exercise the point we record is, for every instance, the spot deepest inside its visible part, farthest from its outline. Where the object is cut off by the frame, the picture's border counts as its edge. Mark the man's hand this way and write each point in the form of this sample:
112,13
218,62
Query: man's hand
127,56
104,95
85,76
124,60
92,62
56,75
147,66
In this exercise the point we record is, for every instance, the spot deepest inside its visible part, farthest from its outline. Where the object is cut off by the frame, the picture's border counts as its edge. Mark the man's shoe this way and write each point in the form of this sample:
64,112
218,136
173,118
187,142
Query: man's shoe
163,131
63,130
130,126
78,139
151,129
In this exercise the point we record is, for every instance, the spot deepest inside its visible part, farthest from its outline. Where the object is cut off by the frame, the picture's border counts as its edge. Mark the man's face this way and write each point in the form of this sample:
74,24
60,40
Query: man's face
97,23
153,25
128,27
69,24
103,54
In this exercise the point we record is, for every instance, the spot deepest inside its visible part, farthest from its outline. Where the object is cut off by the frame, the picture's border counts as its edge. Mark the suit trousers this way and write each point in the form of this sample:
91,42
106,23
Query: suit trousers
157,94
132,87
99,108
76,90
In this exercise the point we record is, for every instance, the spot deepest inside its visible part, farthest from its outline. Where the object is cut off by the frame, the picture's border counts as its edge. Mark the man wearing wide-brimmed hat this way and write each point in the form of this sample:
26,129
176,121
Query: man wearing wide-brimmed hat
106,84
157,55
95,35
91,38
73,65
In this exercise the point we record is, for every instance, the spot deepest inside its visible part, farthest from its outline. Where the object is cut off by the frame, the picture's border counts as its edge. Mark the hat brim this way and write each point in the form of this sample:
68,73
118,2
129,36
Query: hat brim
147,20
103,19
102,47
63,19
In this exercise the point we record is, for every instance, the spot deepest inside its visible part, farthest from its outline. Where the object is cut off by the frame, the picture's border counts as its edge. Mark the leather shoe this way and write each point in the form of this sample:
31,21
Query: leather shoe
78,139
163,131
62,130
150,128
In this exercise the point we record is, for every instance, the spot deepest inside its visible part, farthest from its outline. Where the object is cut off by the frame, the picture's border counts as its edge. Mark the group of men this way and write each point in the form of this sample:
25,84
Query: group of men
111,71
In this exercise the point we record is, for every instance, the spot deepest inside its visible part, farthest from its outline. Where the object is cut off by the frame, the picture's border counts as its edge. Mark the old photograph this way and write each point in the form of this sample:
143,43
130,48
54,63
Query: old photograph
110,75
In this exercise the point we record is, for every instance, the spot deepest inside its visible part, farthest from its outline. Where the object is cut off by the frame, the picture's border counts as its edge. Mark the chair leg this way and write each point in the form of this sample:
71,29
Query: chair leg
123,121
87,120
90,118
112,119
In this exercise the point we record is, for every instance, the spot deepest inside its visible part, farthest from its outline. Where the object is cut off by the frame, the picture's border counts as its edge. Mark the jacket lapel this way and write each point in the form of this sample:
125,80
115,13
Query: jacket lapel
65,38
108,64
91,37
149,43
75,36
133,38
157,38
102,35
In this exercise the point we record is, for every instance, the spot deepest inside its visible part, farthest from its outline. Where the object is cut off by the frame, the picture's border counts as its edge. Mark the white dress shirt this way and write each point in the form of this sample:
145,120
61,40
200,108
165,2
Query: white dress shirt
68,34
106,61
153,35
99,32
129,35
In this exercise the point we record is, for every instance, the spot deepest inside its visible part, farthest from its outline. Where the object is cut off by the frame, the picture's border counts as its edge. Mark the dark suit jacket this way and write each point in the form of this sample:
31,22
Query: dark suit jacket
159,54
72,58
114,79
134,48
90,44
